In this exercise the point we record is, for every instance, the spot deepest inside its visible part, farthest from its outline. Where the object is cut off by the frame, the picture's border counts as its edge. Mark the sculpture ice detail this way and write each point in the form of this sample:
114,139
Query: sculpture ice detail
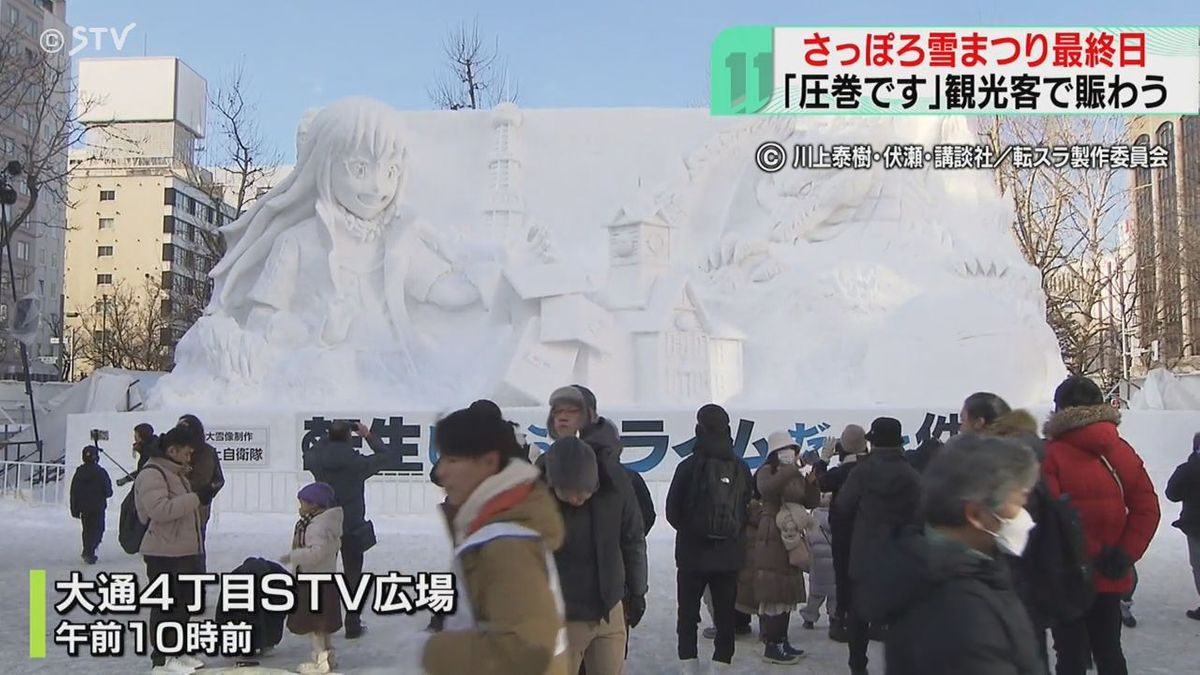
801,288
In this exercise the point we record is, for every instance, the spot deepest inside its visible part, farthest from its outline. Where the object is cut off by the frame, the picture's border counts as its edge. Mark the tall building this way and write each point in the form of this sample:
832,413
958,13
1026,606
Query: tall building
139,219
37,246
1166,232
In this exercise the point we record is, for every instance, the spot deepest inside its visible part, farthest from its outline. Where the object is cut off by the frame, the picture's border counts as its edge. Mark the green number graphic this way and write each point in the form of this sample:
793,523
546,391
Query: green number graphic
734,88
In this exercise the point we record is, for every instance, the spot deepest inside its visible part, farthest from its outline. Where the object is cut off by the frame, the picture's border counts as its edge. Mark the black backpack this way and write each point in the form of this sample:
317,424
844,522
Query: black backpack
1062,584
719,494
131,529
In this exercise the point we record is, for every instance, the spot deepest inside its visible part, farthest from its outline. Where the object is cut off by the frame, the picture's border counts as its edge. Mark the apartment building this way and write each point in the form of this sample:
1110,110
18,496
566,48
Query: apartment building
37,246
143,212
1166,231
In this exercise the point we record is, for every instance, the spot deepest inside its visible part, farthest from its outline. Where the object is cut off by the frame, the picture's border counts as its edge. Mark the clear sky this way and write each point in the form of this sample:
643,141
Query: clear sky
298,54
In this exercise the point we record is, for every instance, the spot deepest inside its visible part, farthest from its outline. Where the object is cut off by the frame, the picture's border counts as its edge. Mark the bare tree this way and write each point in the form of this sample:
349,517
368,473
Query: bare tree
38,94
1067,220
126,329
477,76
243,154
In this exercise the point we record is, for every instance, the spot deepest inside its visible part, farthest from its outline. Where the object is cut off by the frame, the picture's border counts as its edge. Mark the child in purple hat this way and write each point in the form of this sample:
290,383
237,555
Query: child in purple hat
315,544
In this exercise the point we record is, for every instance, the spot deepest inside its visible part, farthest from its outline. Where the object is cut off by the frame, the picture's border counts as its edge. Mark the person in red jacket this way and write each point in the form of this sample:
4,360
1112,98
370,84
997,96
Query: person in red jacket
1087,460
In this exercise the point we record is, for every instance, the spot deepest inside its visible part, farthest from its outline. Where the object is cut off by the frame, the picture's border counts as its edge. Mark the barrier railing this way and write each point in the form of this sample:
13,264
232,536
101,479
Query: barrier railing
35,482
251,491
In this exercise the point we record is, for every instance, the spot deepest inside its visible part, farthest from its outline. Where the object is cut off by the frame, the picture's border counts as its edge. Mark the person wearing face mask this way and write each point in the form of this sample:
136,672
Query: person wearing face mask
778,586
943,589
1049,576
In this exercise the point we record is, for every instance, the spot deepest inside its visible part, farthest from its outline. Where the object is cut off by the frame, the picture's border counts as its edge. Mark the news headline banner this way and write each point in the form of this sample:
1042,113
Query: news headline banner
955,71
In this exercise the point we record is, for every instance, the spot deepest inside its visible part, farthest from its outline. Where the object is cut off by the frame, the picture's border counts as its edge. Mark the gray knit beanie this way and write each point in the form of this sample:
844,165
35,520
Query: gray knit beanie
571,465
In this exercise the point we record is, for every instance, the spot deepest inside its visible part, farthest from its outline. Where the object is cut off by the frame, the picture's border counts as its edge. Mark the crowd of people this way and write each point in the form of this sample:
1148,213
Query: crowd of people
972,556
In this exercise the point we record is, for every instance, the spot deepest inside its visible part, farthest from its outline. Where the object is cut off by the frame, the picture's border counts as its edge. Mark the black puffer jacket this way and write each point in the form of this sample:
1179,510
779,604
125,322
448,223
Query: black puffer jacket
603,558
692,551
90,489
347,470
881,495
606,441
644,498
1184,486
950,610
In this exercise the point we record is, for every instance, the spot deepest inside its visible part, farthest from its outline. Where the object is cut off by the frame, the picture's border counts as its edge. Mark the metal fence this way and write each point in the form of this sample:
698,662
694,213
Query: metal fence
34,482
251,491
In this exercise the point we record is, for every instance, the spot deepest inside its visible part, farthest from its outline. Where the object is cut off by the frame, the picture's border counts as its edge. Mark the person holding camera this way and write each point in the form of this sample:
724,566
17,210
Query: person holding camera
172,544
334,460
90,492
145,446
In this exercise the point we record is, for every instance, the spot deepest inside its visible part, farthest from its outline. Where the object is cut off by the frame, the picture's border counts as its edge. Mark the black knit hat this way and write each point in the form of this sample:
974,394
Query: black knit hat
886,432
571,465
473,432
1077,391
712,418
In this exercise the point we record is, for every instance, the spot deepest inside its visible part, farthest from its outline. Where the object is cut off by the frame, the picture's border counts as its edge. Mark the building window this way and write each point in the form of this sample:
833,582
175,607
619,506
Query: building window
108,195
26,122
165,335
103,251
103,279
1168,234
169,196
106,223
191,206
189,258
208,214
168,307
11,15
21,248
168,253
7,145
31,27
168,225
191,233
167,280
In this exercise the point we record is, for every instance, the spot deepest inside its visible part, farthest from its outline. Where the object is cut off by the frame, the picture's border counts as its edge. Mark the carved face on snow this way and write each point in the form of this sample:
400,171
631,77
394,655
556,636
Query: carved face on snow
365,185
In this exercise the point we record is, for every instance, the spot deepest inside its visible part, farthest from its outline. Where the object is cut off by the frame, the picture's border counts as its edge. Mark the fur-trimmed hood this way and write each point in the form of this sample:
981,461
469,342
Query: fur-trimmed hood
1019,425
1014,423
1070,419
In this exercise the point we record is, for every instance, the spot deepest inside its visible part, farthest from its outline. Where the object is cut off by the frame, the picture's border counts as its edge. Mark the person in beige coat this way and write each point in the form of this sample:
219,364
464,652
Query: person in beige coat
172,544
509,618
315,543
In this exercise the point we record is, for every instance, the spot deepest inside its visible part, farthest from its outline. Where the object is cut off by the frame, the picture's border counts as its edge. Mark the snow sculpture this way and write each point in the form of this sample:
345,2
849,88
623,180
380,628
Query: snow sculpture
802,288
312,297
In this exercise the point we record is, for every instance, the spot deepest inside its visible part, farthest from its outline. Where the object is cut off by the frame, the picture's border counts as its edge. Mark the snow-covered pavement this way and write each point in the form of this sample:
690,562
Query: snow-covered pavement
45,537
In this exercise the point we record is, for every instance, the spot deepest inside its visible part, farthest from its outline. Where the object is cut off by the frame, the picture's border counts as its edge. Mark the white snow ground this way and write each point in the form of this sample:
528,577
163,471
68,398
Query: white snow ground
45,537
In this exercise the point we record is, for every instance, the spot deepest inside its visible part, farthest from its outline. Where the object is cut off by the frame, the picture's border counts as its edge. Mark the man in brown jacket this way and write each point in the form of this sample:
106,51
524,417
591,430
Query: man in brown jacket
172,544
506,526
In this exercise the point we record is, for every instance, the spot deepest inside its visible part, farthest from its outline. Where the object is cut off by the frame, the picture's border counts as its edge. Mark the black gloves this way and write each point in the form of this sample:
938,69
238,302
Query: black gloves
206,494
635,609
1113,563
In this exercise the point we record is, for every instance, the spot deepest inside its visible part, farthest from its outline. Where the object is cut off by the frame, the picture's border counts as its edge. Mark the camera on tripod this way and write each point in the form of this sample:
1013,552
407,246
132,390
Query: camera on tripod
99,435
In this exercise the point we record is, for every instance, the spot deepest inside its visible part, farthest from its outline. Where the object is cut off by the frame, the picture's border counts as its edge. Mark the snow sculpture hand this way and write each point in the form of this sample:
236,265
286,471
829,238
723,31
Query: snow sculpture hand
754,255
338,319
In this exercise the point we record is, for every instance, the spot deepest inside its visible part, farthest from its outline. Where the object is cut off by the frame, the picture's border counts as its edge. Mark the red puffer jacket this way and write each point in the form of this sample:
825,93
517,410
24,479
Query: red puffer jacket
1124,515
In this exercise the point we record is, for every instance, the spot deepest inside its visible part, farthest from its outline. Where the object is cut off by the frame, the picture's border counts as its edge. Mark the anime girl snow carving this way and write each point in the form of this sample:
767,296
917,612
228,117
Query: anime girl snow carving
315,284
